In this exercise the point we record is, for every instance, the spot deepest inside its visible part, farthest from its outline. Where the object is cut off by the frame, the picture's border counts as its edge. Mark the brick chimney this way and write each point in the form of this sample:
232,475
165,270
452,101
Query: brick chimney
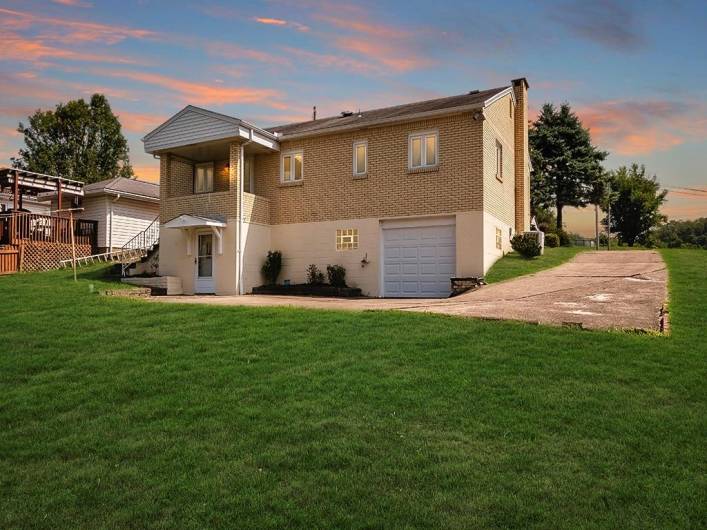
522,169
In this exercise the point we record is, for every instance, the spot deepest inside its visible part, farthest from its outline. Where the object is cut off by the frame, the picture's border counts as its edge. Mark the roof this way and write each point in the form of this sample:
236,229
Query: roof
139,189
419,109
186,221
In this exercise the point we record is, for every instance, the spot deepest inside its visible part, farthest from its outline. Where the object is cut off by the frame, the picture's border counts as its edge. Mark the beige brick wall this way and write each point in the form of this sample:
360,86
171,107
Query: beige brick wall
177,185
499,195
329,191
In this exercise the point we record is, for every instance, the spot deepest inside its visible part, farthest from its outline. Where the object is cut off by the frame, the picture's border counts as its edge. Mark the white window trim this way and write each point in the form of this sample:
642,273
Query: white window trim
355,146
423,153
196,170
292,165
499,161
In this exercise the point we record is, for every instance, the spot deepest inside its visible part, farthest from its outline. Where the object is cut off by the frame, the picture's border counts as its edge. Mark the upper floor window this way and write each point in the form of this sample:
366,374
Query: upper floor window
204,178
499,161
423,149
510,107
292,169
360,157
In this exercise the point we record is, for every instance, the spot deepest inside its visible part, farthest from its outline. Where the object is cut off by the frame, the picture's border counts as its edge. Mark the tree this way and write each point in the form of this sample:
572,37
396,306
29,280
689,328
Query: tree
77,140
634,203
567,168
687,233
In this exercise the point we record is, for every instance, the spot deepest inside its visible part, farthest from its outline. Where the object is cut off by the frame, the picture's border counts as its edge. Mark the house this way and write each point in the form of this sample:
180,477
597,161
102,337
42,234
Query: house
29,204
122,207
404,197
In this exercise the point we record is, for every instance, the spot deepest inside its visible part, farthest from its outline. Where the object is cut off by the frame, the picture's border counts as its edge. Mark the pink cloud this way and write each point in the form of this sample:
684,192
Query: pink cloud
234,52
150,173
640,127
139,122
73,3
200,93
281,22
326,60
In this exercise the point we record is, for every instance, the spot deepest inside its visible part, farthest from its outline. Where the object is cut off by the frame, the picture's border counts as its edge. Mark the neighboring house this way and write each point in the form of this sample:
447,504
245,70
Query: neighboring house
122,207
404,197
31,204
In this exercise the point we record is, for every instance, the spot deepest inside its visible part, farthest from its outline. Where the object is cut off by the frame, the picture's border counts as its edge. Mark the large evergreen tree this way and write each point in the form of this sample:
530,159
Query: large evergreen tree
77,140
635,202
567,168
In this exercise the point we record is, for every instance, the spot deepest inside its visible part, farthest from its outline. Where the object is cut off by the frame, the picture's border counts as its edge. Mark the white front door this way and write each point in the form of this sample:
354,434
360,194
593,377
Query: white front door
418,261
204,282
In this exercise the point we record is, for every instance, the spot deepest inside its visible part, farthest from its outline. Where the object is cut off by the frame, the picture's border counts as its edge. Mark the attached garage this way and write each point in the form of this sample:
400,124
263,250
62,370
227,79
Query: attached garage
418,258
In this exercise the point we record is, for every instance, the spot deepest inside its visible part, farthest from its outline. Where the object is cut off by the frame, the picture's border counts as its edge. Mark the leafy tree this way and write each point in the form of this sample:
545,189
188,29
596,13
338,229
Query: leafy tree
634,203
77,140
689,233
567,168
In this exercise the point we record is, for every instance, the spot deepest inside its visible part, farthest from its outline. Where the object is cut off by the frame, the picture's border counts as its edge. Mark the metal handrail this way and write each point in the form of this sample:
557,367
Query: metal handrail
145,240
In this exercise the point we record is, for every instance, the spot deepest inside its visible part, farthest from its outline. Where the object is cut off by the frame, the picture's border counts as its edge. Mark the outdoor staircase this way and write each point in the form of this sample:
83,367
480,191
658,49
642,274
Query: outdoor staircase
144,244
122,256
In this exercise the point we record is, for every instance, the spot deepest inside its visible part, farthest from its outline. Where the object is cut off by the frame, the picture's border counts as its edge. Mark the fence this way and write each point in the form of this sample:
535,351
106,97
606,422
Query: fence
23,226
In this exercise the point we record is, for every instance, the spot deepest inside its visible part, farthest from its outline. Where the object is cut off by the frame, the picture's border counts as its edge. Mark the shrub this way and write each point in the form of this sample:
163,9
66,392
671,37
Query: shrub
564,238
272,266
552,240
337,275
314,275
526,245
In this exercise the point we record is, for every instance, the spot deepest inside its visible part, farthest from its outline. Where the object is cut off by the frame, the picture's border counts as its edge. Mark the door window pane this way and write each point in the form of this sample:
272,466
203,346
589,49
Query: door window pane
205,258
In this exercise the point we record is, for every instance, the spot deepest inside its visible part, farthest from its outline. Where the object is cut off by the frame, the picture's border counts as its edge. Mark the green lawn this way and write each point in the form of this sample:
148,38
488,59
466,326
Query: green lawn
117,413
513,264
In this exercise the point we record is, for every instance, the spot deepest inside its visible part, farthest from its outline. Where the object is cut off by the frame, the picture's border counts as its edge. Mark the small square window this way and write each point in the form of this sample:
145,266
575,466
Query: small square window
347,239
360,158
499,239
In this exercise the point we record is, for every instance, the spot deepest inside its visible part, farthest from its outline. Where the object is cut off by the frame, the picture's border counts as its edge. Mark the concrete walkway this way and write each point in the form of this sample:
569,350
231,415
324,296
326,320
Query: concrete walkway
600,290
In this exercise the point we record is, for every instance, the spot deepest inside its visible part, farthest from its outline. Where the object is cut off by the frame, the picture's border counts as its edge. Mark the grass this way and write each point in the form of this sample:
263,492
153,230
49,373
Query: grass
513,264
121,413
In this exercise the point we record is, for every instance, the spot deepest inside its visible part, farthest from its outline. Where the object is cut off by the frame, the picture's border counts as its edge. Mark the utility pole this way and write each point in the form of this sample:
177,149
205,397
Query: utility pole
608,223
596,225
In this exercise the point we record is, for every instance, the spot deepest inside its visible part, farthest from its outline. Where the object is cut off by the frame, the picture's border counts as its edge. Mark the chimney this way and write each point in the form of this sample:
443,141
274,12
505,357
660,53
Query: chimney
522,169
314,112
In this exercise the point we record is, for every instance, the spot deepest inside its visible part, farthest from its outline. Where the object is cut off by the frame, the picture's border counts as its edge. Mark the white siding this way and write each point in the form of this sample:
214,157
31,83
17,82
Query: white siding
96,209
131,217
189,128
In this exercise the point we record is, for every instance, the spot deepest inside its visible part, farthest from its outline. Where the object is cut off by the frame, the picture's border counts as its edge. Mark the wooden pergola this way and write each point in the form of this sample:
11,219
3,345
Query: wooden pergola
20,183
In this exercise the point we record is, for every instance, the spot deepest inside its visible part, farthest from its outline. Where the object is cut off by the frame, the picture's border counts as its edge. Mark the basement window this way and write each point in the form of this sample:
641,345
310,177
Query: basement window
292,167
347,239
204,178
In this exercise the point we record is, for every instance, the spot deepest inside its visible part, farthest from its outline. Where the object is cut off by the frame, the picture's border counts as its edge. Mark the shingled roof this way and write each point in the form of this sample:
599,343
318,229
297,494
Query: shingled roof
122,185
462,102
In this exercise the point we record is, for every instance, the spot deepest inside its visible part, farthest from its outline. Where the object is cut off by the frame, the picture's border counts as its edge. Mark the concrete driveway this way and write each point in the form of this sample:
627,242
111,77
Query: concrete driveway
599,290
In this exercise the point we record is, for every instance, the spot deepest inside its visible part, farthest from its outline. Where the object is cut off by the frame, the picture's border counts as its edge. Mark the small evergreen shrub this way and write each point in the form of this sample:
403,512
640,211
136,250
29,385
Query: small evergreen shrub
314,275
337,275
552,240
565,240
272,266
526,245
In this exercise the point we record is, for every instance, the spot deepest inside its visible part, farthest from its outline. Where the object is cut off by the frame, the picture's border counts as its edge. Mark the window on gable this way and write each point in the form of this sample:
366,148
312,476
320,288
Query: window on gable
347,239
204,178
499,161
423,150
292,167
360,157
499,239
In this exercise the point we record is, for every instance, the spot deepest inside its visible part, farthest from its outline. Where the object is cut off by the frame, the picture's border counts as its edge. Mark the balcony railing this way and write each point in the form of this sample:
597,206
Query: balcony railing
22,226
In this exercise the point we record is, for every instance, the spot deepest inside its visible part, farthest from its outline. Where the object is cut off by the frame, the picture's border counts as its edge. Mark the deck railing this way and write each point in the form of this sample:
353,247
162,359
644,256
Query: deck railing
22,226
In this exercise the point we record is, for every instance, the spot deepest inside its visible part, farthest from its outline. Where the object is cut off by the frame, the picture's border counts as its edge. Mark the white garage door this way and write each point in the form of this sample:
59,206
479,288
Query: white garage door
418,261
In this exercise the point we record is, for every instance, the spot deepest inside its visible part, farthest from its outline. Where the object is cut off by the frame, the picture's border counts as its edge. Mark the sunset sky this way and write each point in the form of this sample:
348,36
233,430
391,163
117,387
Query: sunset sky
635,72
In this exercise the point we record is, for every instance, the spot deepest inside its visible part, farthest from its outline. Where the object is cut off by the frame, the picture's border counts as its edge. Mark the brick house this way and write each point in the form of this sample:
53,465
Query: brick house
404,197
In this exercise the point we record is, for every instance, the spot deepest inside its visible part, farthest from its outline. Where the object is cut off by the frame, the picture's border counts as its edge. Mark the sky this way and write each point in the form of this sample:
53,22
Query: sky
635,72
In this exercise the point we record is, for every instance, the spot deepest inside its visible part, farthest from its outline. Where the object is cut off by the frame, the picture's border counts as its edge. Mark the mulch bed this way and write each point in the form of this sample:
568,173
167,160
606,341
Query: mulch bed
306,289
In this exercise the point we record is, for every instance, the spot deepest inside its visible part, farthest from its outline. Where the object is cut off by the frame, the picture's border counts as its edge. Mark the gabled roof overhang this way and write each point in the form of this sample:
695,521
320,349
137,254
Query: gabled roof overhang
185,222
194,125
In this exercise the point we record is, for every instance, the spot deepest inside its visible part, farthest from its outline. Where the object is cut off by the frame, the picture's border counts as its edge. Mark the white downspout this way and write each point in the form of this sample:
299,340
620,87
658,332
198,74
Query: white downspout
110,232
241,173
